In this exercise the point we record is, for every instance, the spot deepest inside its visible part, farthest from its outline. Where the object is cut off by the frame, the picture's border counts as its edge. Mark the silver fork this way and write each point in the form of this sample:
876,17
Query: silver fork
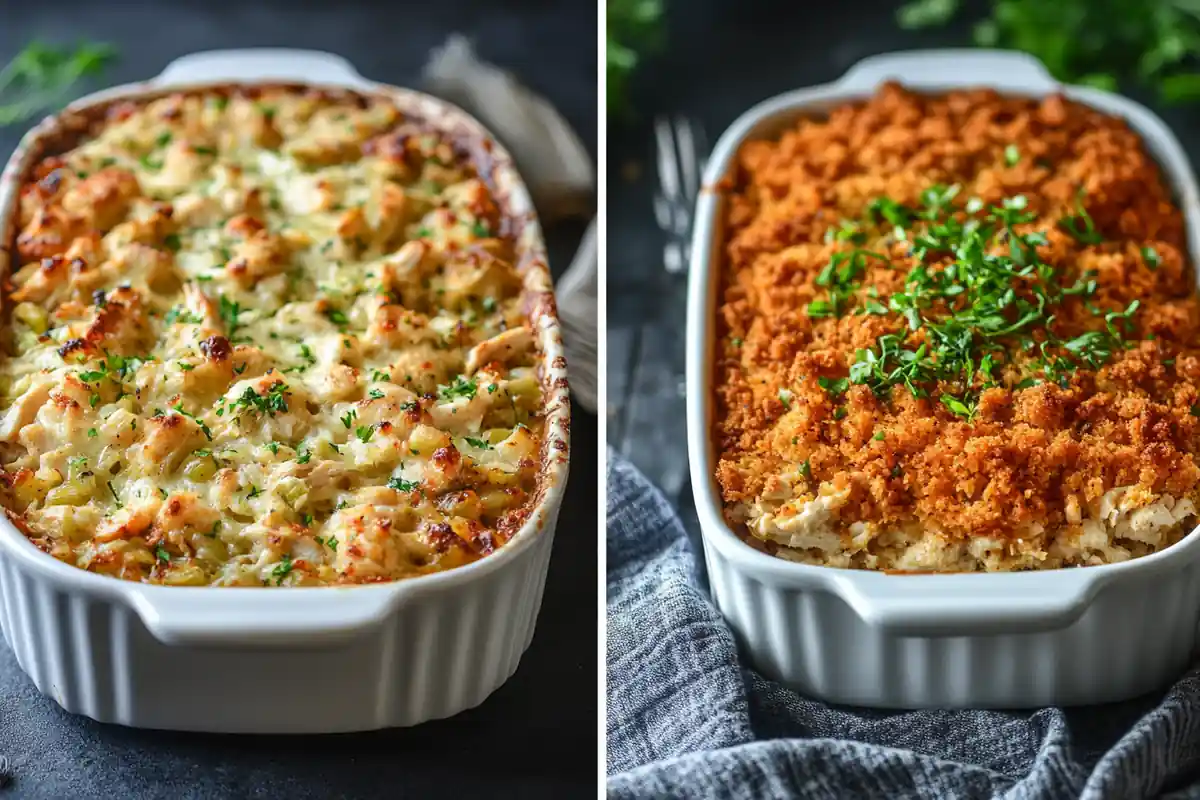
681,153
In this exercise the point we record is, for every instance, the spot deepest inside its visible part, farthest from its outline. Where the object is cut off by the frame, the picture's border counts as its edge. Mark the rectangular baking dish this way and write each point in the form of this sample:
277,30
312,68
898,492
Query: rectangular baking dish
297,660
1059,637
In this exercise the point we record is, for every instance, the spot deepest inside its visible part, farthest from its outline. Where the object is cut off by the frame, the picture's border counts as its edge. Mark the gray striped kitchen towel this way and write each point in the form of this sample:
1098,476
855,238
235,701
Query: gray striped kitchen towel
687,720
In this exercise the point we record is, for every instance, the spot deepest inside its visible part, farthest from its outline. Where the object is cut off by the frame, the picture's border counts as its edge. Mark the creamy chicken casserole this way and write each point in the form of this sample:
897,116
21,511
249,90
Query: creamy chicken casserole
956,333
266,337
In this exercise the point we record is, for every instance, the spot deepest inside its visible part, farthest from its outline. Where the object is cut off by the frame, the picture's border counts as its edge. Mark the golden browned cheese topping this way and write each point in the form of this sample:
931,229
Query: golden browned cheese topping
270,337
967,313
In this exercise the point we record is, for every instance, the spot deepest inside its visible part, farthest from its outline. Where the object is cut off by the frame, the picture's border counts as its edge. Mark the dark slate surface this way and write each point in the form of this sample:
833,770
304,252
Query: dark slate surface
536,737
719,58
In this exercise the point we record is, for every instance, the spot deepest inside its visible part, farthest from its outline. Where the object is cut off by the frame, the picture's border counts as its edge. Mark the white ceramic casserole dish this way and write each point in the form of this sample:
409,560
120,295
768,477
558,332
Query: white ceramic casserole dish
1058,637
296,660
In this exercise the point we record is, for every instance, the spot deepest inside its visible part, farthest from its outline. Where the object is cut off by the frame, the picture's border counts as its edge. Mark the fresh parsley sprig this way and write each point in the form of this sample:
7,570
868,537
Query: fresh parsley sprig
42,77
633,26
1094,42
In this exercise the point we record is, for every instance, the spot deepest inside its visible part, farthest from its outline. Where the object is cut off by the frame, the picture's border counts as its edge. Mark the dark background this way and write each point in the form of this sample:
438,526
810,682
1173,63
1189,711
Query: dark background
536,736
716,59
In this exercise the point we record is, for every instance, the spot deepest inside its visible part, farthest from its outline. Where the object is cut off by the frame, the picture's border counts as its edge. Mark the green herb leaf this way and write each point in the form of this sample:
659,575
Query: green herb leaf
1151,257
925,13
282,569
460,387
835,386
958,407
43,77
401,485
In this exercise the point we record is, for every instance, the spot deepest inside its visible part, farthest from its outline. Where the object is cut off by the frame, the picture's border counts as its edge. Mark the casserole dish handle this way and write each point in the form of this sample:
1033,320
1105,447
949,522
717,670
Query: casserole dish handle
1005,69
265,63
182,615
968,604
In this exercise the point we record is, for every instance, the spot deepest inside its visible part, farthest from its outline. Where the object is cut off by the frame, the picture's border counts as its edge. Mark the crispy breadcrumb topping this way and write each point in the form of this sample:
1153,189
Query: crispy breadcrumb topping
968,311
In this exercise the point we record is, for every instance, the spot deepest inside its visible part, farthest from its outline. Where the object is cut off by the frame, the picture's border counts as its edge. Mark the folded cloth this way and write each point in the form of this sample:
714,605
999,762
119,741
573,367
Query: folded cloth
687,719
556,168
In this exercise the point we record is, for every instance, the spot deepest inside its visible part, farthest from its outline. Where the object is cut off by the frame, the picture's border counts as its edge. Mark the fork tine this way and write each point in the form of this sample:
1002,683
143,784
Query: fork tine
685,135
702,148
668,160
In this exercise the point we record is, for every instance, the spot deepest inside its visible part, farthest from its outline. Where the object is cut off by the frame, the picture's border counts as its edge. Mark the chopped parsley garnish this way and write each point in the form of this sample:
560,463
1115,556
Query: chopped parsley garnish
253,493
203,427
204,151
375,394
840,277
337,317
805,469
460,387
230,312
115,367
161,553
364,433
303,457
92,433
1151,257
1012,156
163,139
492,387
482,444
785,397
834,386
348,418
423,232
273,447
1081,226
489,304
282,569
380,376
171,240
879,436
480,229
272,403
978,293
958,407
401,485
181,314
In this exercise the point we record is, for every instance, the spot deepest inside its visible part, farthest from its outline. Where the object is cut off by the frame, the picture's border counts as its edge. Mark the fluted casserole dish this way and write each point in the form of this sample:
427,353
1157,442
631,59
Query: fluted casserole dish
307,343
950,444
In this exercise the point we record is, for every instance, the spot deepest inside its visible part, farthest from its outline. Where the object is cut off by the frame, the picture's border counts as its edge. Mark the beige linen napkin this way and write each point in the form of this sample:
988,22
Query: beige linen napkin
560,176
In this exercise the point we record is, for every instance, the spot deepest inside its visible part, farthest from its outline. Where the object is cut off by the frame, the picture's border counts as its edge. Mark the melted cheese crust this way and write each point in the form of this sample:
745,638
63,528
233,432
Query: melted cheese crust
266,338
